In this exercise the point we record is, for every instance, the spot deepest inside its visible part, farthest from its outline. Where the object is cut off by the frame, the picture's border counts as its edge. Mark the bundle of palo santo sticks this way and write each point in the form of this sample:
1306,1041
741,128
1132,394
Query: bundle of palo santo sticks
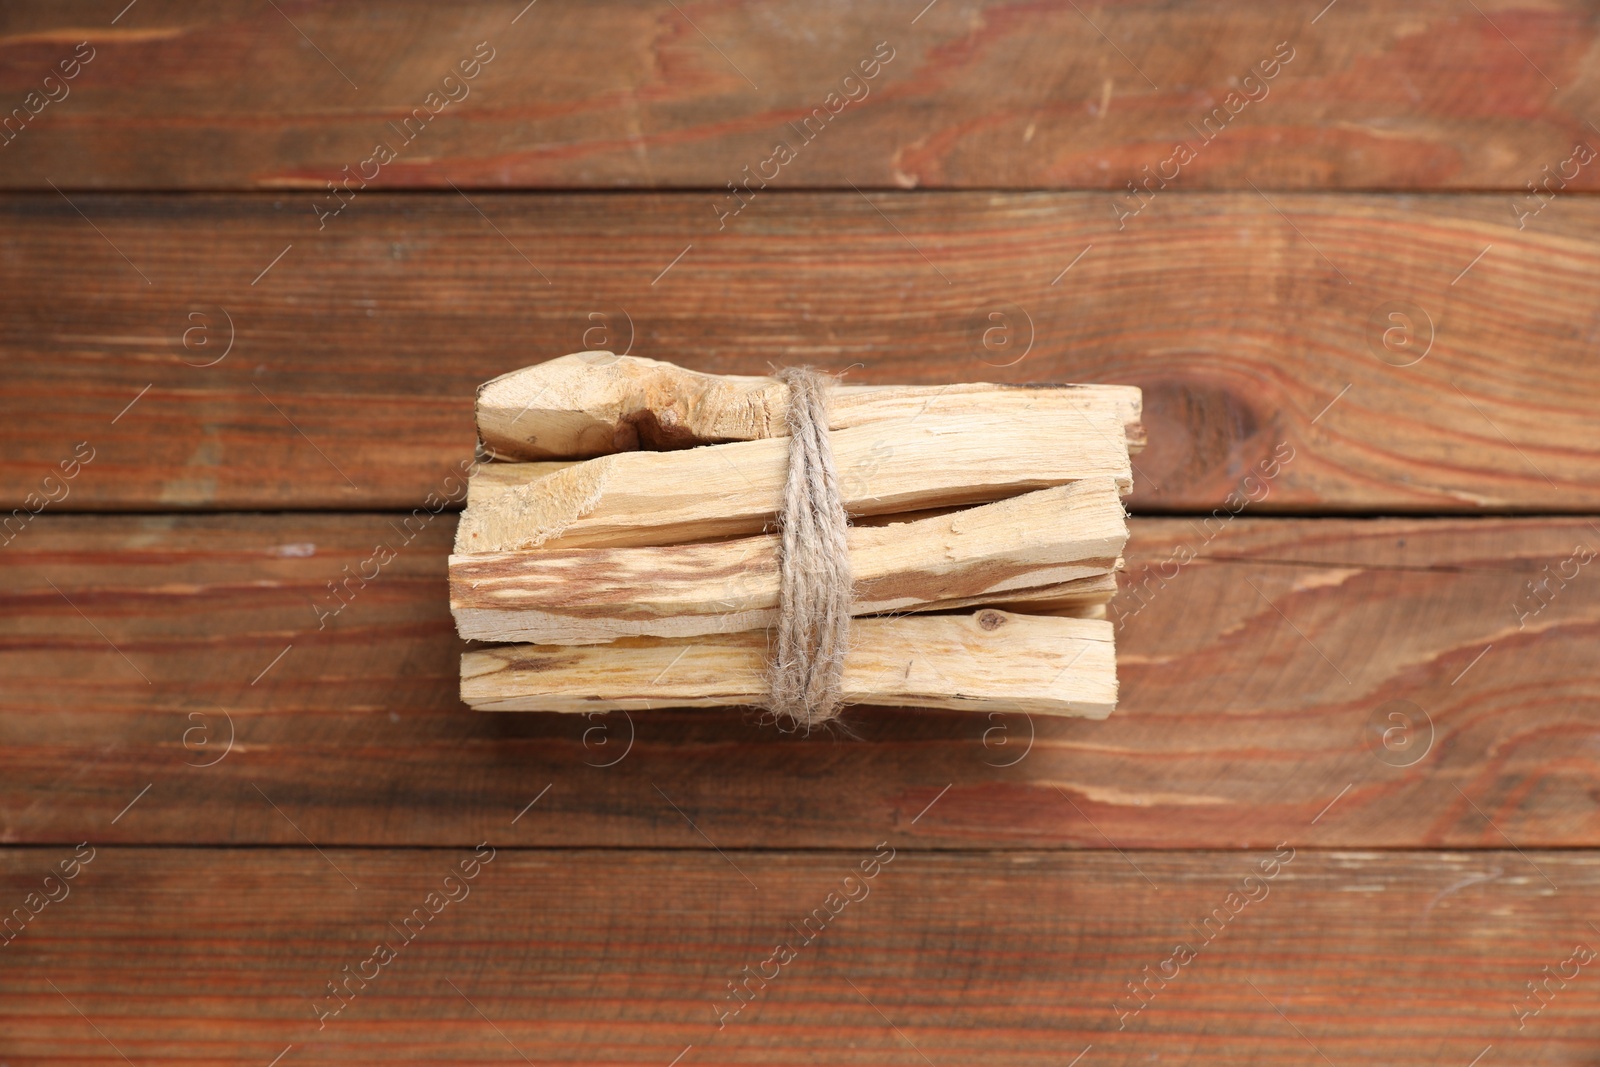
619,540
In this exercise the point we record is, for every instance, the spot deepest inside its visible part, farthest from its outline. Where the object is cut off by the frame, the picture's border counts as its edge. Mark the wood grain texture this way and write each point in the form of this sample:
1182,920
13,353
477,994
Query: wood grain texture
1004,958
985,554
979,662
356,355
984,94
587,404
637,499
1232,731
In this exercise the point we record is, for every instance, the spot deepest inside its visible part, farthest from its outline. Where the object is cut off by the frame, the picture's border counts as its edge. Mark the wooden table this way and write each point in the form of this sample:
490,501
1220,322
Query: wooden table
1347,810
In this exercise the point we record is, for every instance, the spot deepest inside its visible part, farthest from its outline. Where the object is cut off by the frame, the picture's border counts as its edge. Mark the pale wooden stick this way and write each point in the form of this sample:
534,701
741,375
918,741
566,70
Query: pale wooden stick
644,498
489,481
1037,541
1065,598
989,661
594,404
492,481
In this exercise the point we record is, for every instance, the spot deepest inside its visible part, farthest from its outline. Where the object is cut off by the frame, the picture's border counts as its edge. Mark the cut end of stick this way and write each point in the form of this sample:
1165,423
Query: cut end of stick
596,403
526,516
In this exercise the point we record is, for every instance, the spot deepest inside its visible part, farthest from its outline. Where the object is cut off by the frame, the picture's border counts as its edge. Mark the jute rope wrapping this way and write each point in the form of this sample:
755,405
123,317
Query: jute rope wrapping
814,583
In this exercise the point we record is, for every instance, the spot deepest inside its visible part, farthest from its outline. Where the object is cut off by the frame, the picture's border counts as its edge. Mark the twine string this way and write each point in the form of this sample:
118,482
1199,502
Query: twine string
814,581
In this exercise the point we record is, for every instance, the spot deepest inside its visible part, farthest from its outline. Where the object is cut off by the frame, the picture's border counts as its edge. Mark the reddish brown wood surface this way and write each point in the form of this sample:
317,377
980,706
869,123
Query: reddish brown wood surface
354,356
273,780
1258,682
977,95
1008,958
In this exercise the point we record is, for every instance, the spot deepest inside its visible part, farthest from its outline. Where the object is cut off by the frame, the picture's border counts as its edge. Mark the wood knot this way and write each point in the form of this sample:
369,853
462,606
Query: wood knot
991,620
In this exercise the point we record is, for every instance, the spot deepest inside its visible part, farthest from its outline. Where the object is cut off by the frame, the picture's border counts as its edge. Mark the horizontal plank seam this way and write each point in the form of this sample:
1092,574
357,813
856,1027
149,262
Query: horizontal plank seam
445,192
1320,850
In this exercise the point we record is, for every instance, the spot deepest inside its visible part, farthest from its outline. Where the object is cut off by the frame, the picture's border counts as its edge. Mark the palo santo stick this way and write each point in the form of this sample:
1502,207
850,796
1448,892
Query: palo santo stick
595,403
653,498
491,480
989,661
1065,598
1036,541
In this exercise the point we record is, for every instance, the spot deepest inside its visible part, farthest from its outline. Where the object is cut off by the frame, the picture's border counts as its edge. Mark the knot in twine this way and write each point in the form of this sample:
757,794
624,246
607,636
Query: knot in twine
814,583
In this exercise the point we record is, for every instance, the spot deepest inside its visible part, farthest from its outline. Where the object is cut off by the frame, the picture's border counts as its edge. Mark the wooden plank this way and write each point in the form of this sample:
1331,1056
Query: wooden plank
981,95
606,957
1232,729
356,355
